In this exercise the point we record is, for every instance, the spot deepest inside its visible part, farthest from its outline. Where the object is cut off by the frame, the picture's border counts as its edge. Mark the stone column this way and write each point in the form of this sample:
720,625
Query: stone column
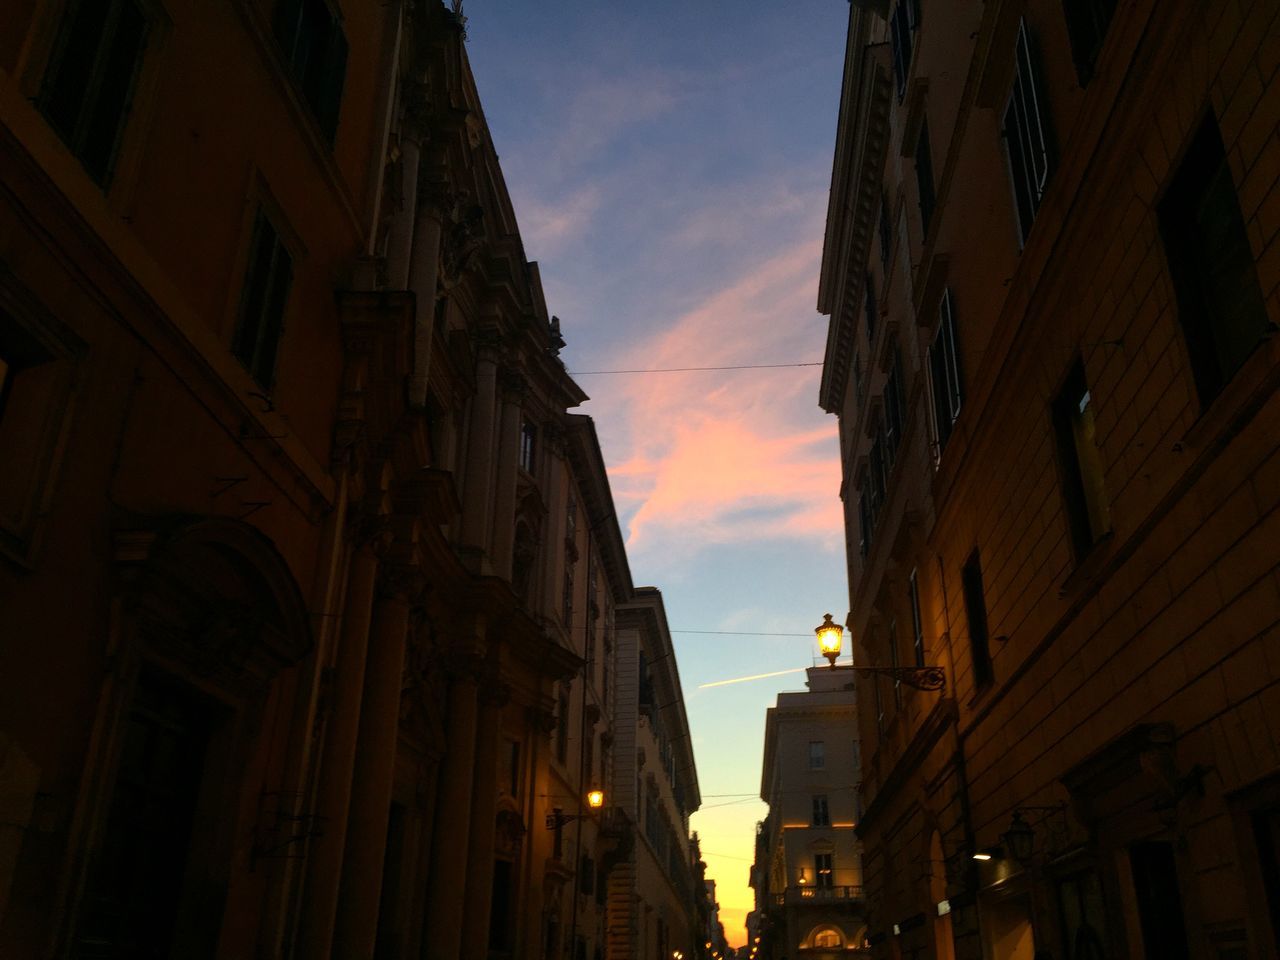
325,858
450,840
504,511
400,234
477,494
484,811
424,274
374,773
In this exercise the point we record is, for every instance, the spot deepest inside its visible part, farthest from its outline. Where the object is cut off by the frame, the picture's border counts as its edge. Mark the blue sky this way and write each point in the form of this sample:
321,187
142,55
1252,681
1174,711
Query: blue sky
669,166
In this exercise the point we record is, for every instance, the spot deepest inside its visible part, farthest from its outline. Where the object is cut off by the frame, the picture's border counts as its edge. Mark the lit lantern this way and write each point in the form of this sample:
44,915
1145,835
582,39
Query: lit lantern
829,634
595,799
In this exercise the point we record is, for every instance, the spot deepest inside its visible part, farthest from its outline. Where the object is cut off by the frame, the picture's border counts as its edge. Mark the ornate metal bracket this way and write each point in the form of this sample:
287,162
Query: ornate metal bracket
918,678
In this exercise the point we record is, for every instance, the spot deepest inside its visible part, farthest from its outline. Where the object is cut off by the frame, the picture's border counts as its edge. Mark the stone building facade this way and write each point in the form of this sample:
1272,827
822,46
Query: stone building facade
652,897
1053,276
808,872
307,574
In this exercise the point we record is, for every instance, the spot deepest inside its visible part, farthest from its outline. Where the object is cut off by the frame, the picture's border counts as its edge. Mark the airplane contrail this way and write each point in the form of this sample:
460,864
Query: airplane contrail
758,676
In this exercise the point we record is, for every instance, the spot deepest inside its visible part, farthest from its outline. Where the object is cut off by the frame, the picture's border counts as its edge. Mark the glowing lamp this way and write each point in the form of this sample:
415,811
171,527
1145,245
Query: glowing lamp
595,799
829,634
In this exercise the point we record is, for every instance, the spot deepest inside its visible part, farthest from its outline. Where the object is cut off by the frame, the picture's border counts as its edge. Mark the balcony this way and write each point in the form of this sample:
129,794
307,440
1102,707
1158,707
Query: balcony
794,896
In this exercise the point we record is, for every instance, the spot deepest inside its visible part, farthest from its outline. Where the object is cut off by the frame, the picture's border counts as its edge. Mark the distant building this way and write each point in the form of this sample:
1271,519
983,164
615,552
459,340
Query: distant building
808,875
652,912
1052,268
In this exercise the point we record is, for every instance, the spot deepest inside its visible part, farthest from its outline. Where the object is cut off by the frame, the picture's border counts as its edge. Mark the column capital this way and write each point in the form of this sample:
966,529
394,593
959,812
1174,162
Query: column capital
513,385
402,581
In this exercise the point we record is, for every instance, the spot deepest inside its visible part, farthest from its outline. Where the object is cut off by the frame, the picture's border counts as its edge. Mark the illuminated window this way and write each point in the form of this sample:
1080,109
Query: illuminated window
823,871
1088,514
89,83
828,938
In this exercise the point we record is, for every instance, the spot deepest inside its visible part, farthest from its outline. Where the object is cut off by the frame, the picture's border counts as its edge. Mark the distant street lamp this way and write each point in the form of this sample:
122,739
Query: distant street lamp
830,636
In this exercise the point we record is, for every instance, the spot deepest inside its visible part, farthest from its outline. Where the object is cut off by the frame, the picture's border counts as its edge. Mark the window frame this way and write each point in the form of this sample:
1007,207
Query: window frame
917,620
975,607
88,102
248,350
1026,134
1202,169
1088,22
323,105
1086,508
926,184
947,397
817,754
821,811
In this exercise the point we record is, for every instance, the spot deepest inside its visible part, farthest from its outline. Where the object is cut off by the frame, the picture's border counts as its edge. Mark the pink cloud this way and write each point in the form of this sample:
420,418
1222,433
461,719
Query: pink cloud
734,456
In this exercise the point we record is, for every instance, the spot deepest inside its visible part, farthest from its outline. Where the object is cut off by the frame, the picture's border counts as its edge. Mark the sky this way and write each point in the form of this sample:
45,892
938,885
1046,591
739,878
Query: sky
669,164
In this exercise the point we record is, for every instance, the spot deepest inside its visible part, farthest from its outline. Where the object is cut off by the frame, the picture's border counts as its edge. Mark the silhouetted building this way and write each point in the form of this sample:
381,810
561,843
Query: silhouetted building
1052,275
308,579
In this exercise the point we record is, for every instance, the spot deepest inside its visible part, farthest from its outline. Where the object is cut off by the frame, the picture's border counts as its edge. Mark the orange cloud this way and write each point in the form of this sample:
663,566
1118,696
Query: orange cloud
738,456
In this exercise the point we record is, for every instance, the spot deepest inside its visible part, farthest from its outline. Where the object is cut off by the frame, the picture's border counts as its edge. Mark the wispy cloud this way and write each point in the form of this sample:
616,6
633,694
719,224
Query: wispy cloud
741,456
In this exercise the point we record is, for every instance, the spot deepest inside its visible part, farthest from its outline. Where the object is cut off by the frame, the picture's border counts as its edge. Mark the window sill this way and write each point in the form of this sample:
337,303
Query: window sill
1088,566
1238,400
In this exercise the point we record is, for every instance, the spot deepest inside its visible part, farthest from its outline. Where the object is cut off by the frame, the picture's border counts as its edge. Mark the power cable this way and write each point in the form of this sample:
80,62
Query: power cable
691,369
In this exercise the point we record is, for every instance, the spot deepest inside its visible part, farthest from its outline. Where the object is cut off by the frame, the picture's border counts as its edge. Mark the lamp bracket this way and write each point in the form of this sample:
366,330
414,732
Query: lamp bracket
918,678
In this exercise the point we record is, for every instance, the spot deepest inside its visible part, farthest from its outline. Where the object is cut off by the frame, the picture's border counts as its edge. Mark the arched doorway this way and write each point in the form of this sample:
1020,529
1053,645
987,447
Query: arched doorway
207,617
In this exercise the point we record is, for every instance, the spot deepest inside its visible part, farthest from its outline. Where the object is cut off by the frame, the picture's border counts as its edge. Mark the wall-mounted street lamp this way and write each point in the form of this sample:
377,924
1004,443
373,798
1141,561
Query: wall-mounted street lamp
830,637
1020,837
557,818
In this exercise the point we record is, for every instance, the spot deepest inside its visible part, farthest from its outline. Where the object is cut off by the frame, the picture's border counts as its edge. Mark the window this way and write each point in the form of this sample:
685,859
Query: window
895,662
528,445
1220,305
134,893
89,84
1084,915
562,723
1155,887
823,871
817,754
1087,22
886,232
858,385
311,39
1026,134
869,307
828,938
865,521
38,357
917,622
882,720
1088,515
975,607
902,27
821,815
262,303
924,178
1266,835
894,404
944,374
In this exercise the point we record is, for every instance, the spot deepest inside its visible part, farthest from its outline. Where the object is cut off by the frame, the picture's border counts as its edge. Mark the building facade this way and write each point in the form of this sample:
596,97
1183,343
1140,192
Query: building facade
652,899
808,873
1053,280
308,576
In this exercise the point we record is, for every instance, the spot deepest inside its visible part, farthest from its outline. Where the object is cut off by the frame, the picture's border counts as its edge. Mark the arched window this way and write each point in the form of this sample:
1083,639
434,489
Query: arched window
829,938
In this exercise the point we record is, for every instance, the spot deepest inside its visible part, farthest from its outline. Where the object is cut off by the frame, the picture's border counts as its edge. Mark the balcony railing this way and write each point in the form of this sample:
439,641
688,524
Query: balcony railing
800,895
